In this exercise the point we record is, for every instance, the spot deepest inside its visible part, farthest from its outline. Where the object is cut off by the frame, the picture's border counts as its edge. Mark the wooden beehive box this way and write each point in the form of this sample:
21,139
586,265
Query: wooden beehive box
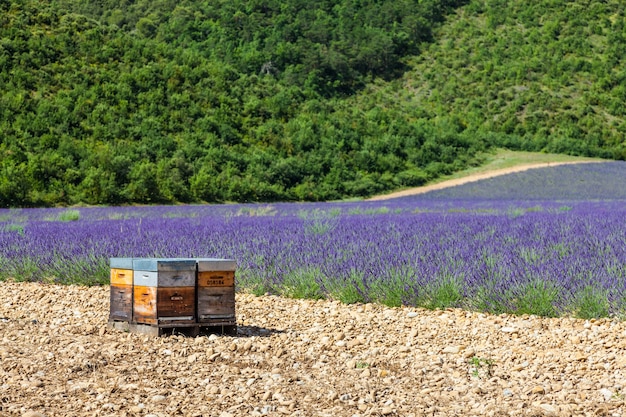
121,297
164,291
216,292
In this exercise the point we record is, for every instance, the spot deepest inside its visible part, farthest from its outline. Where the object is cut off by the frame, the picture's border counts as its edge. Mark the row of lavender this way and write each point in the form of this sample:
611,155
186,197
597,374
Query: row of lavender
547,258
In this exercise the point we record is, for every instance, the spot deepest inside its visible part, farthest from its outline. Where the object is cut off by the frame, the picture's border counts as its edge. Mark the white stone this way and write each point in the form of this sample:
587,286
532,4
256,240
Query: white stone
607,394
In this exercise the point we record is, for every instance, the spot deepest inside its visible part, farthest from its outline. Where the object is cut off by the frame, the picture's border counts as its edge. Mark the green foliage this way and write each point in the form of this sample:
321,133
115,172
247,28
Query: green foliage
350,291
541,75
162,102
66,216
446,292
13,227
319,222
537,297
214,101
253,283
481,367
591,303
392,290
304,283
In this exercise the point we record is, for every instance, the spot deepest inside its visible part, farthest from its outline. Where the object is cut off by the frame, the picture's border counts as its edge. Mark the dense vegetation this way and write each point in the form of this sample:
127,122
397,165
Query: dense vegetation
547,75
116,101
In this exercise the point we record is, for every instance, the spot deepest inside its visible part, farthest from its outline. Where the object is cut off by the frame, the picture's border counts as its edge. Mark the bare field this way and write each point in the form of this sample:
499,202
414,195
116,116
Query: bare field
303,358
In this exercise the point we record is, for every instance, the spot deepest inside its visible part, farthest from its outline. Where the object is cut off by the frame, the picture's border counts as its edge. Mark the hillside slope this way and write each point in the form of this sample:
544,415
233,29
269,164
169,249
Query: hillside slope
541,75
162,102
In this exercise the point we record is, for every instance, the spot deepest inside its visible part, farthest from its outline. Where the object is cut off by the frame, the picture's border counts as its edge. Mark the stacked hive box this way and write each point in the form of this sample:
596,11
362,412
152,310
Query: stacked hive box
216,292
164,291
166,295
121,289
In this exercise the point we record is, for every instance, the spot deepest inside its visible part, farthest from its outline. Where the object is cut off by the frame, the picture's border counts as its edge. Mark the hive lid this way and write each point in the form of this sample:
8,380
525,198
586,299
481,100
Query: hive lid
215,264
164,264
121,263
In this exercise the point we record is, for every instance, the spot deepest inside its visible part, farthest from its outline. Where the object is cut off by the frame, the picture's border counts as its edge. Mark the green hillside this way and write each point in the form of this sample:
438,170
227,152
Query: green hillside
118,101
541,75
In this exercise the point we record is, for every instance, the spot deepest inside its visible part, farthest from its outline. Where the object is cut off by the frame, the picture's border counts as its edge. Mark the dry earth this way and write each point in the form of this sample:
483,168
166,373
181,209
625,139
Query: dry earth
473,178
303,358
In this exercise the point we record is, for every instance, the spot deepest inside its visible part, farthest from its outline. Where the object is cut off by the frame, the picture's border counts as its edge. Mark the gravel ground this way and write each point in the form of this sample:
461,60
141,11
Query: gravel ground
303,358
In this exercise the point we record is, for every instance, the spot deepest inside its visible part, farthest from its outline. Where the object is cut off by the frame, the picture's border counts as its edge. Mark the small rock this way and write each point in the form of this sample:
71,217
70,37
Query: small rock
549,409
469,353
33,414
451,349
267,409
36,384
579,356
411,314
226,414
508,330
366,373
607,394
386,411
351,364
158,398
538,389
507,393
345,397
352,343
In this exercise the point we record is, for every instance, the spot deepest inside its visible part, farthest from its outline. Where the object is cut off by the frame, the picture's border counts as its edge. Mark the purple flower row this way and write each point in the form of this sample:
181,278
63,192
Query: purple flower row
493,252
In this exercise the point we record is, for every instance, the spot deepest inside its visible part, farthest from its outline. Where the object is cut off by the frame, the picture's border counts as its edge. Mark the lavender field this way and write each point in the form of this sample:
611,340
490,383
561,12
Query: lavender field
515,250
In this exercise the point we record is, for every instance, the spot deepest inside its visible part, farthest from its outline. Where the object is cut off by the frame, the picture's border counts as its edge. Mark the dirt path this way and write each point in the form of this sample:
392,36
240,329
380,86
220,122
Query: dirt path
473,178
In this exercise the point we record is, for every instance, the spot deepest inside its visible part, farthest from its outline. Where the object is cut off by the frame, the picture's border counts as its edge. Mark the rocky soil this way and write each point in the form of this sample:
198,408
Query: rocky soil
303,358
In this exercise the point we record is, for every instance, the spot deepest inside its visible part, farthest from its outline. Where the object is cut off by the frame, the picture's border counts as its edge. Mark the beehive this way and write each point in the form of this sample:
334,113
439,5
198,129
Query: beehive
164,291
121,297
216,292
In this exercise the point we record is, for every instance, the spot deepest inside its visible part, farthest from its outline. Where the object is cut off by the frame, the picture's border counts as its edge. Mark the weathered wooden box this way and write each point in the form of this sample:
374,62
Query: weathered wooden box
121,297
216,292
164,291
